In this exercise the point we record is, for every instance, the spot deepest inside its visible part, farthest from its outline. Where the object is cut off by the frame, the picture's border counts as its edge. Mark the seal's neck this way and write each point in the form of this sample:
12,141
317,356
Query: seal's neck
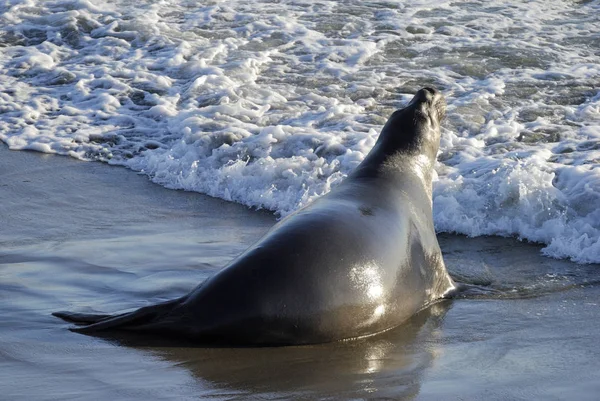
380,162
416,167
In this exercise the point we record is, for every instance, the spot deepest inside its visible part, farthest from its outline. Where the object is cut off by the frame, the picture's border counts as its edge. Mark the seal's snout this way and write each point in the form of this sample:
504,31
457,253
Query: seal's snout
433,98
427,94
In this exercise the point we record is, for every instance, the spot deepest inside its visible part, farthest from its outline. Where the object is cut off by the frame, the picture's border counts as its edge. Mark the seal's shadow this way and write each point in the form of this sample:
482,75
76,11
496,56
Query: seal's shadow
390,364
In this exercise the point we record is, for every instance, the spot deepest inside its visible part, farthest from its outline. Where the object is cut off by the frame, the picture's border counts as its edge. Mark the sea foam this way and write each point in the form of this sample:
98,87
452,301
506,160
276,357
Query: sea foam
271,104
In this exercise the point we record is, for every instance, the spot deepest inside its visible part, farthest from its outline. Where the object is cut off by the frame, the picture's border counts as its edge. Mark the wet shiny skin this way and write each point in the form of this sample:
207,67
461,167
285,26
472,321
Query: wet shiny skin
358,261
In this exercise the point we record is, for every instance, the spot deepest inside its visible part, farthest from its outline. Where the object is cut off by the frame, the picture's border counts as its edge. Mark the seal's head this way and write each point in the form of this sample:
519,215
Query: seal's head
409,140
430,104
415,129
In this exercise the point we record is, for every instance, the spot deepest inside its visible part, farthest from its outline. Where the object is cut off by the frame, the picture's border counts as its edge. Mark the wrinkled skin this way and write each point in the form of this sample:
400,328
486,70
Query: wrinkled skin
357,261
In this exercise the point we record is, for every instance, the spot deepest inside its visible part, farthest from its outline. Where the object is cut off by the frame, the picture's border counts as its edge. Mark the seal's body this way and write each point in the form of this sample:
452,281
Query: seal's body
355,262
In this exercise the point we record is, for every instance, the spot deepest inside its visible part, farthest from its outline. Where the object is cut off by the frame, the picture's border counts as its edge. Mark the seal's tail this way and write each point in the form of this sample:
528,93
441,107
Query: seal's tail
141,319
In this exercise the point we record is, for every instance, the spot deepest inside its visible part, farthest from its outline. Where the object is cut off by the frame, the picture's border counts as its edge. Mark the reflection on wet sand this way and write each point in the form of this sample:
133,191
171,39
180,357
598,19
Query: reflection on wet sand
387,365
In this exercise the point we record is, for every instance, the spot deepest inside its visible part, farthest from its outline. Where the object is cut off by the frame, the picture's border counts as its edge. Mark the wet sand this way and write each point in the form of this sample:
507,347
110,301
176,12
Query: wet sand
91,237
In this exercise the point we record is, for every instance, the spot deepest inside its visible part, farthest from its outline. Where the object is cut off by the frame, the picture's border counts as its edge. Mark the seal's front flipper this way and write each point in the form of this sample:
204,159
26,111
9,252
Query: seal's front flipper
81,318
465,290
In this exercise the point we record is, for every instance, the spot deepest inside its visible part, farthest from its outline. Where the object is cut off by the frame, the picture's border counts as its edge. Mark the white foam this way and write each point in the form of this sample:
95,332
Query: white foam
271,105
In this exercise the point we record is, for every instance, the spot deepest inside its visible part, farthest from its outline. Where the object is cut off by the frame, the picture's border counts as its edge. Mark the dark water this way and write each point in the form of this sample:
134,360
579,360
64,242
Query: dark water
90,237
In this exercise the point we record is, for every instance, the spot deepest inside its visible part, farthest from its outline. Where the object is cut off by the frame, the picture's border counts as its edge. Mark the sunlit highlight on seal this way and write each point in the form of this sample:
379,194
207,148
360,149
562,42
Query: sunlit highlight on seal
380,310
367,278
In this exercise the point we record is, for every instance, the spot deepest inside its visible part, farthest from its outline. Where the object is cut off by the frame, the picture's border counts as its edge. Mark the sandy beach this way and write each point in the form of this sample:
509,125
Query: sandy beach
92,237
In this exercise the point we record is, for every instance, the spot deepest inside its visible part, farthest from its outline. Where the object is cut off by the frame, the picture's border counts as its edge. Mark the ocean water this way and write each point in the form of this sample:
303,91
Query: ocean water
271,103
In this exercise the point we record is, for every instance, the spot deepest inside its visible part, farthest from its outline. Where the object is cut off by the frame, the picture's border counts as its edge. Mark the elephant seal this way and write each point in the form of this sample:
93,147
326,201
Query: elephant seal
355,262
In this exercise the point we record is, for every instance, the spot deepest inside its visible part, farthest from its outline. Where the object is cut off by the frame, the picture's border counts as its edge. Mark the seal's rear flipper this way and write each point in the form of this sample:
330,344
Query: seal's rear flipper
146,318
81,318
